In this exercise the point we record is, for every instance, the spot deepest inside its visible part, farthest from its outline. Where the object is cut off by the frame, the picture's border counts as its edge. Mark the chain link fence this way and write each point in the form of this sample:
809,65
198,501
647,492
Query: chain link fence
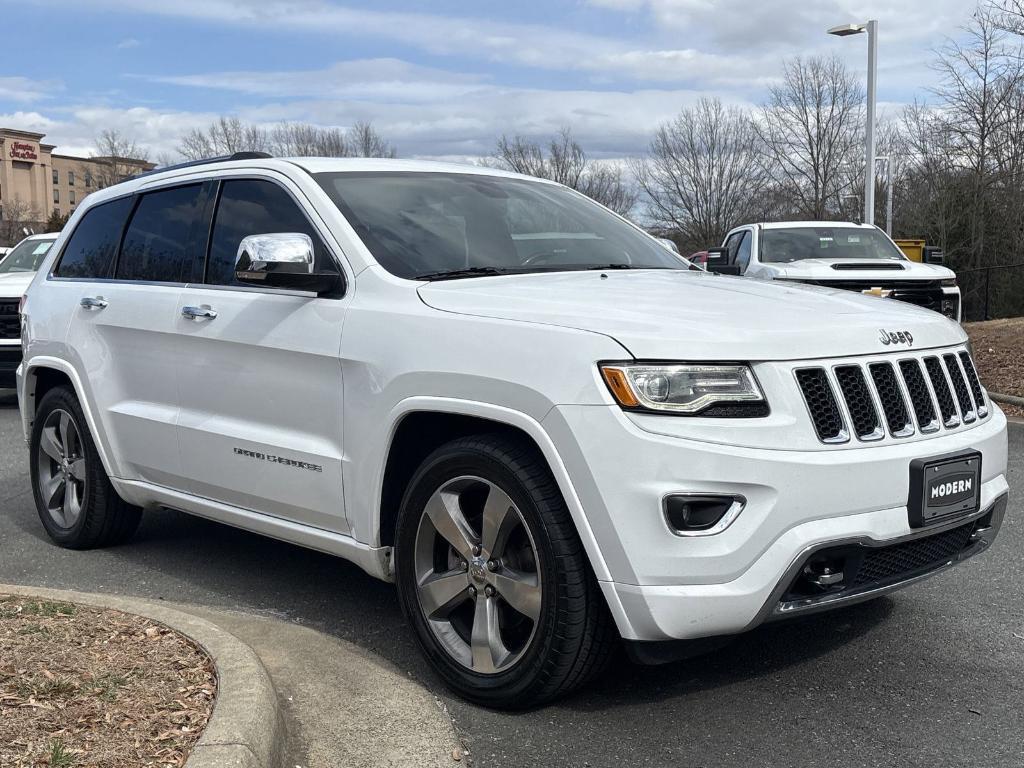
993,292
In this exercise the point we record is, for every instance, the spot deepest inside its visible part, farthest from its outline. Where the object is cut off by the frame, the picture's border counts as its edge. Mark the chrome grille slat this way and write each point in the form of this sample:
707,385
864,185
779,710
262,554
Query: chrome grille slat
943,392
859,403
884,397
975,383
894,406
963,397
822,405
920,396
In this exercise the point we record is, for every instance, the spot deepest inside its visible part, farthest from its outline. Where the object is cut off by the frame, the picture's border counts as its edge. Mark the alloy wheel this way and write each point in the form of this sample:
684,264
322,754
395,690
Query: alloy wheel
478,582
61,468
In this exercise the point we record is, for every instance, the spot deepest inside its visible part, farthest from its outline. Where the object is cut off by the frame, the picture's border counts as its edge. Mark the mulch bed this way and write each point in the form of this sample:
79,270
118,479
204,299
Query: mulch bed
999,354
82,687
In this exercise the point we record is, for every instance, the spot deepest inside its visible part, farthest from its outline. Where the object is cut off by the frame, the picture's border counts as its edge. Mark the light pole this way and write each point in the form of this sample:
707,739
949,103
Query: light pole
871,27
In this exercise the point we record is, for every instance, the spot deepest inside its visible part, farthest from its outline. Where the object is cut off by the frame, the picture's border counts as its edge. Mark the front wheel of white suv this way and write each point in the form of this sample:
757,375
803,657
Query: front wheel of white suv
77,505
493,578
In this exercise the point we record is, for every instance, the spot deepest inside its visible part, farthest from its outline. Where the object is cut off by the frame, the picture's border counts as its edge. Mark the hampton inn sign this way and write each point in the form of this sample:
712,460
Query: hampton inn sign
23,151
44,181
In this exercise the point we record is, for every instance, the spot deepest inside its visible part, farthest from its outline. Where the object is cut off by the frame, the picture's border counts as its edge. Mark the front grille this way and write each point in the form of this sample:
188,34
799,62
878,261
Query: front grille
862,395
942,392
923,293
858,401
920,397
972,379
10,321
963,397
893,404
900,561
828,421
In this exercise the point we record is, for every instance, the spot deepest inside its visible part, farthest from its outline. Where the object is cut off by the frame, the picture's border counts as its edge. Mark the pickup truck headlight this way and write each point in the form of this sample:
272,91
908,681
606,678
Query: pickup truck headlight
948,282
681,388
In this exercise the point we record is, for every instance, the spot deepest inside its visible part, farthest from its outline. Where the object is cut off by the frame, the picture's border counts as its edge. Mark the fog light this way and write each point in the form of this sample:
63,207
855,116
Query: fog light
949,308
701,514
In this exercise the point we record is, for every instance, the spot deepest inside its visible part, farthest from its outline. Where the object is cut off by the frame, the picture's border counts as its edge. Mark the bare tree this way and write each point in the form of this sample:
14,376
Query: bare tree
116,157
810,127
564,161
224,136
705,173
364,141
16,216
228,135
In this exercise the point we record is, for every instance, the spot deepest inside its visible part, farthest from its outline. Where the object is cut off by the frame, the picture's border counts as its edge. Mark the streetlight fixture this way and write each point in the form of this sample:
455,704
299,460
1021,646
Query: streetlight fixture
871,27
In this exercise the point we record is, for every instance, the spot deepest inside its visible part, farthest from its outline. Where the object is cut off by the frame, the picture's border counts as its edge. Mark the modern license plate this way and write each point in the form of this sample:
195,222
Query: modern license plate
944,487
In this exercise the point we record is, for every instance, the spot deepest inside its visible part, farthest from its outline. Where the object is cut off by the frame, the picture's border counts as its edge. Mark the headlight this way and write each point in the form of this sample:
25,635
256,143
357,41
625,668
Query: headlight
949,282
683,388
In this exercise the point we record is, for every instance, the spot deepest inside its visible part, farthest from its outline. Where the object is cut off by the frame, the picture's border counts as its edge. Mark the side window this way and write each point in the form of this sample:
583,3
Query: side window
90,251
253,207
743,252
732,243
158,245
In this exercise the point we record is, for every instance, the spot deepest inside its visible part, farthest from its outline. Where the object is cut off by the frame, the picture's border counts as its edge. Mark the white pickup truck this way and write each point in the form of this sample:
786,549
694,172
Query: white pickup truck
835,254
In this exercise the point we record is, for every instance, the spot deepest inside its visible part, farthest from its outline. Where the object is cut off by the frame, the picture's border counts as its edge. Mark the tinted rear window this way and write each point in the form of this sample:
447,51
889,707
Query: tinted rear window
91,249
158,245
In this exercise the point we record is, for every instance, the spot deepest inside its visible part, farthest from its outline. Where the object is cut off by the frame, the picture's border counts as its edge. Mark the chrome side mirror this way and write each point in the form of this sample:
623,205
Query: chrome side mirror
282,260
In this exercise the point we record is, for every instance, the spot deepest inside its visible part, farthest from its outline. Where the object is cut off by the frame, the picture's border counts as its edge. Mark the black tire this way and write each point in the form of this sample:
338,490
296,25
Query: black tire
104,519
574,636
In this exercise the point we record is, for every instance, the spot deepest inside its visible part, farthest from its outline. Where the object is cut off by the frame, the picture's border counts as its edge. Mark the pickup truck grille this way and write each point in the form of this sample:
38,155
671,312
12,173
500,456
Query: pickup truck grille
923,293
903,396
10,321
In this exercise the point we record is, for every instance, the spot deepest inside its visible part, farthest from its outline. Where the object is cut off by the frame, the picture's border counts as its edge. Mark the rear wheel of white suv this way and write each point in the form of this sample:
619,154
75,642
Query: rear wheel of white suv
493,578
77,505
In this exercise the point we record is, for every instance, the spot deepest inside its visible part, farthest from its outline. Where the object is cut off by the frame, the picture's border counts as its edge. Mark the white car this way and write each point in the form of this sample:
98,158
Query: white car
17,269
545,428
840,255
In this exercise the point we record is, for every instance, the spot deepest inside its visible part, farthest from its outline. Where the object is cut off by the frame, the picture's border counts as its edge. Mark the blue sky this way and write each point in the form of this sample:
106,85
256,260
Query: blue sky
443,78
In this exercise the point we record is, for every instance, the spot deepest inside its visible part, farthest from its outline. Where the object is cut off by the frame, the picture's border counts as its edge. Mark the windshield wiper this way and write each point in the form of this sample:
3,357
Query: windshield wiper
454,274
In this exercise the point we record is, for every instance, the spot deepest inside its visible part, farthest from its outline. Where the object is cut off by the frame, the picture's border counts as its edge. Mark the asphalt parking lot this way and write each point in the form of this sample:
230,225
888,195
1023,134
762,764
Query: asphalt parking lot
931,676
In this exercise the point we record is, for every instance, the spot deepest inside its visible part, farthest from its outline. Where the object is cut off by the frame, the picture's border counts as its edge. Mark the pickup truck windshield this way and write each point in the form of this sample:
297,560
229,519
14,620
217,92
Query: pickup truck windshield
793,244
25,257
448,225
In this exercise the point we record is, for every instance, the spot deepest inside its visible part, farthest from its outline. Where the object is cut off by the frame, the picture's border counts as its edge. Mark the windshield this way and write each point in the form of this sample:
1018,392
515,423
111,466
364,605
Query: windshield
796,243
420,225
26,256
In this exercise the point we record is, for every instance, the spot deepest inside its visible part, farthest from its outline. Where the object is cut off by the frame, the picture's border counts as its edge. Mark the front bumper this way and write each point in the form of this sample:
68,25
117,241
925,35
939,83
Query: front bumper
667,587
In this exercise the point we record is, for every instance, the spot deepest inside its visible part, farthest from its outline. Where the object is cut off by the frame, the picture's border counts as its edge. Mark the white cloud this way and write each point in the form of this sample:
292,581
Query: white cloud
26,90
377,79
128,42
531,45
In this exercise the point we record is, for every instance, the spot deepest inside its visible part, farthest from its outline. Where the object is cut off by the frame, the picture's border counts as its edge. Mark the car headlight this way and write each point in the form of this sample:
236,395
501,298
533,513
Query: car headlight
684,389
948,282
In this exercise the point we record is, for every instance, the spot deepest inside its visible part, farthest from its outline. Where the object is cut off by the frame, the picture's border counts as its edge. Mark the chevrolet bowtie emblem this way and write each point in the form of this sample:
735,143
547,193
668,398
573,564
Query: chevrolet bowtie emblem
882,292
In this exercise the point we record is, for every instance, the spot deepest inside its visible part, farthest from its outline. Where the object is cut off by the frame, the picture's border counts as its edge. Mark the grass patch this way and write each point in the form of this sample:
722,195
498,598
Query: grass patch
59,755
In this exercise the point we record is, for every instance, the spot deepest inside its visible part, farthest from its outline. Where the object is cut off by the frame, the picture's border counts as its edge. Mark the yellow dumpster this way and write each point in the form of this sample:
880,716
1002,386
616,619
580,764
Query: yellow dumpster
912,249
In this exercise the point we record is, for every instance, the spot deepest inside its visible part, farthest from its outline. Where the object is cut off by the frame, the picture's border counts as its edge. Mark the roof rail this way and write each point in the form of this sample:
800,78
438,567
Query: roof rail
206,161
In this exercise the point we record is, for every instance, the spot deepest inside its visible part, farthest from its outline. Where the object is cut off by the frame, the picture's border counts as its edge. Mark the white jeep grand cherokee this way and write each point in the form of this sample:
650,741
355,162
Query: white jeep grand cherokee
521,408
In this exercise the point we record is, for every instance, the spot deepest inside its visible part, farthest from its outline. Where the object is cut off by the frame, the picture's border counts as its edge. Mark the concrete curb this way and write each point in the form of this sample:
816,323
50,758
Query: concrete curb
246,729
1007,399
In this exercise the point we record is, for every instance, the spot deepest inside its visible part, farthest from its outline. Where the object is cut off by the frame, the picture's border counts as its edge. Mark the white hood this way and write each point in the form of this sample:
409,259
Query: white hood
823,269
689,315
14,284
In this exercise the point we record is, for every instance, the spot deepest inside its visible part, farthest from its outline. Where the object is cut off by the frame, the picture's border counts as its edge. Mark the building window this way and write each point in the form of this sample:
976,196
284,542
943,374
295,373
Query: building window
71,178
56,176
71,197
56,195
88,179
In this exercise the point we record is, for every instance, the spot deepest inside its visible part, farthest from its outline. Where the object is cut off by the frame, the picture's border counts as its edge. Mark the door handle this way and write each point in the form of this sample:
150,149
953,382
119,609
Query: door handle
93,302
198,313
